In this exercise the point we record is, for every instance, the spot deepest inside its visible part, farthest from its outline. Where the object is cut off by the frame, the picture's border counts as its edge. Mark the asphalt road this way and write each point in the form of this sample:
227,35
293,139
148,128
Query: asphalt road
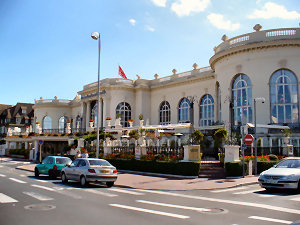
25,200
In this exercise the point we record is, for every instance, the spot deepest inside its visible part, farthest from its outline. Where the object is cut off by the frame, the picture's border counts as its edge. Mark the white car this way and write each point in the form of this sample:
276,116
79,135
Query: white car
285,174
90,170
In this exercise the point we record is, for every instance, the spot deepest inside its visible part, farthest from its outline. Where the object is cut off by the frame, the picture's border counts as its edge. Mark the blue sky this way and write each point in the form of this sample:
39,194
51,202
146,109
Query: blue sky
46,49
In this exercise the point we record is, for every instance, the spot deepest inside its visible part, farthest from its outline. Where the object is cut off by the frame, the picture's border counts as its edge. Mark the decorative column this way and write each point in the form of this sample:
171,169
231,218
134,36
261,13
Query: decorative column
88,114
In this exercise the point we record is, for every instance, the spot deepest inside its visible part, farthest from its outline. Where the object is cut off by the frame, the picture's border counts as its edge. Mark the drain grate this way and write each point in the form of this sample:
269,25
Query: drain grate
40,207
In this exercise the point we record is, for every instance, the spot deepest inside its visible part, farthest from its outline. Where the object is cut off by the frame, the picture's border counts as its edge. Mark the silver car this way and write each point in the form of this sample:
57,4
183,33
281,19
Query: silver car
285,174
88,170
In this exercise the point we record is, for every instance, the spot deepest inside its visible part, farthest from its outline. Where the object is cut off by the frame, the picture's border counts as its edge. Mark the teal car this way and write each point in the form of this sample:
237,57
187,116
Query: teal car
52,166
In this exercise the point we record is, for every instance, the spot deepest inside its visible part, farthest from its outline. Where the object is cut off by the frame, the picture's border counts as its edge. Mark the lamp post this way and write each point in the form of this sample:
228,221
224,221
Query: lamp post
260,99
96,36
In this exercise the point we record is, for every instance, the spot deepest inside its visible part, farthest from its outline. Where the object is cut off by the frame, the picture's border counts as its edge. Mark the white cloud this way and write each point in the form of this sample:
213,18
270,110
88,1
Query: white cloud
149,28
132,21
272,10
186,7
160,3
219,22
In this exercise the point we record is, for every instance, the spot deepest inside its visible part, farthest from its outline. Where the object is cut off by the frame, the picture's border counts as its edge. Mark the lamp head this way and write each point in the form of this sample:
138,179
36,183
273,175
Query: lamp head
95,35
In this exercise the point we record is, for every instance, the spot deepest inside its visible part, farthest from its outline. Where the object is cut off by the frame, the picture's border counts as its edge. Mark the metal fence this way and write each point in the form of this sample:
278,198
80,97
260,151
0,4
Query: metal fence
158,150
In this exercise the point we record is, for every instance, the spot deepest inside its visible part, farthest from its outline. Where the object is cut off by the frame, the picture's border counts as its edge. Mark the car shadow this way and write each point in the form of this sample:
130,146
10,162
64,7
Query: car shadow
45,178
76,185
278,192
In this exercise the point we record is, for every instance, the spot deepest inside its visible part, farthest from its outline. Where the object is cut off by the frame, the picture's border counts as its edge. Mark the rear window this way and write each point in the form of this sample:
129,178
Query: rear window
63,161
99,163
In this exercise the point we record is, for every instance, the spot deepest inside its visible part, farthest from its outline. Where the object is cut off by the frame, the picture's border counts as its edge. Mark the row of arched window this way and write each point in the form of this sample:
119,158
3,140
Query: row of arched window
62,123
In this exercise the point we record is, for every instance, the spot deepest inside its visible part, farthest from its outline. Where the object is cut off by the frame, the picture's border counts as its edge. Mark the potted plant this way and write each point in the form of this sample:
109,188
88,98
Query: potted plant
287,133
91,123
141,117
131,122
108,118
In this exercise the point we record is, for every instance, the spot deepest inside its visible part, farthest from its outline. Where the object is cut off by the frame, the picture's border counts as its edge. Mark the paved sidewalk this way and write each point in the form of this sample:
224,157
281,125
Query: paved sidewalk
179,183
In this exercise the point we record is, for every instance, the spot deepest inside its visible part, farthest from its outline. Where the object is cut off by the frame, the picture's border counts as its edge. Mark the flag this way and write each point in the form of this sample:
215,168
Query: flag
121,73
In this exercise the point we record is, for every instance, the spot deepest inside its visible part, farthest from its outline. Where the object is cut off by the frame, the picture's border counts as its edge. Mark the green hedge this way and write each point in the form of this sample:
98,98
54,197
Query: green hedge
176,168
234,169
262,166
24,152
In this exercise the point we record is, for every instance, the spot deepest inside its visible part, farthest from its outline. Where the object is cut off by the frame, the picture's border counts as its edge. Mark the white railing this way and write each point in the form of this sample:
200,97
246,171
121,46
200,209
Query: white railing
259,36
205,69
45,101
184,74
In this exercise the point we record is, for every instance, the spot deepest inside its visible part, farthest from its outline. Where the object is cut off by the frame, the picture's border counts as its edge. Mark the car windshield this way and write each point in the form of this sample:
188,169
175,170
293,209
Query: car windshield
63,161
290,163
99,163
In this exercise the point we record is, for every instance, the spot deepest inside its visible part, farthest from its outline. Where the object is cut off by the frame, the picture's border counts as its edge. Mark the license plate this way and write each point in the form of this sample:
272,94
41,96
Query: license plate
271,181
104,171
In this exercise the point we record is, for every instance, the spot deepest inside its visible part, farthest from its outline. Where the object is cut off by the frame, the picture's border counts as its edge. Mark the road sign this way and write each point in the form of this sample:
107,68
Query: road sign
41,142
248,139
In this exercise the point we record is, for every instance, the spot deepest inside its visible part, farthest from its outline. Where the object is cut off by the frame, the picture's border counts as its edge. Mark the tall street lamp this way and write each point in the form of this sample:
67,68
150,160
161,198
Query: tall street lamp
260,99
96,36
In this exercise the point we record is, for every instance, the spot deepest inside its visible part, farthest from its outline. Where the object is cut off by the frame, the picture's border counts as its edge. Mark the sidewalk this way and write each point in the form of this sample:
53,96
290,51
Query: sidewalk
172,183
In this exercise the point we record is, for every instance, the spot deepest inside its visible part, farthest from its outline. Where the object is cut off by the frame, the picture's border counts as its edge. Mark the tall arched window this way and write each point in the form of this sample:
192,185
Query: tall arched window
242,99
207,110
47,123
184,110
284,97
62,124
164,113
124,110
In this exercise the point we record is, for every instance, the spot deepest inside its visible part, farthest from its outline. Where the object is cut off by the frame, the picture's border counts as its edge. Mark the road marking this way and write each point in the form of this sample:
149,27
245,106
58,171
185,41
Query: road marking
229,189
270,219
18,181
22,175
295,199
99,193
247,192
6,199
43,187
38,196
150,211
2,175
249,204
175,206
41,181
126,191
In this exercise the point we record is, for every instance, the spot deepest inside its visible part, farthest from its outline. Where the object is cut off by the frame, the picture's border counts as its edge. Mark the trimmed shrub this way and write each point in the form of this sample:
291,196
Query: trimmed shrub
273,157
262,166
234,169
176,168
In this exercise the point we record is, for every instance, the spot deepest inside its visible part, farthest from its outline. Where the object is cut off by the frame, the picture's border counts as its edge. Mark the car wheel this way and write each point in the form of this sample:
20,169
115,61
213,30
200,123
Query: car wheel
83,181
64,178
36,172
110,184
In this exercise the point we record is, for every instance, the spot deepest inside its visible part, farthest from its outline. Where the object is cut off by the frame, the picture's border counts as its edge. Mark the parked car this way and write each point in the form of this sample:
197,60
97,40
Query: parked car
87,170
52,166
285,174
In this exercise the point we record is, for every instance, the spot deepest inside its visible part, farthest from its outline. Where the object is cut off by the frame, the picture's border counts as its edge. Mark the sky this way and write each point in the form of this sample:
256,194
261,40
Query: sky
46,49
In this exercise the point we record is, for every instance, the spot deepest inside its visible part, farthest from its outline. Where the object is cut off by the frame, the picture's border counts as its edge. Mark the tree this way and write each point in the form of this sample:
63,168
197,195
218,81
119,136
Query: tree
220,137
197,137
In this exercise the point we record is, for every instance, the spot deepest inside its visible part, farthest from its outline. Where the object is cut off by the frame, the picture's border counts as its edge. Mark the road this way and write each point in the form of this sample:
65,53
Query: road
27,200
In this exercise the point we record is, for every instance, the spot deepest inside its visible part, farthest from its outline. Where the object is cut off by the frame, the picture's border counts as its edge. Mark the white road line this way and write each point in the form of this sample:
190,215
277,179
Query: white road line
295,199
18,181
249,204
43,187
6,199
38,196
2,175
229,189
99,192
270,219
22,175
247,192
150,211
175,206
41,181
125,191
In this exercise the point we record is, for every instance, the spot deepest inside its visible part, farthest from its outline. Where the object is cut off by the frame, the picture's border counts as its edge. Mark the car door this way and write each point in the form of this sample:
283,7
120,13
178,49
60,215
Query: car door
79,169
42,167
71,170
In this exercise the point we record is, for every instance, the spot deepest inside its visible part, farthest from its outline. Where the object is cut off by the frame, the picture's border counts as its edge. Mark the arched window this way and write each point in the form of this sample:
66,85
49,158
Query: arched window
164,113
284,97
47,123
124,110
62,124
184,110
94,113
207,110
242,100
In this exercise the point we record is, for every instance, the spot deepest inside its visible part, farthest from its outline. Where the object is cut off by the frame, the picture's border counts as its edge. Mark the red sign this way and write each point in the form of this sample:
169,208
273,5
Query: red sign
248,139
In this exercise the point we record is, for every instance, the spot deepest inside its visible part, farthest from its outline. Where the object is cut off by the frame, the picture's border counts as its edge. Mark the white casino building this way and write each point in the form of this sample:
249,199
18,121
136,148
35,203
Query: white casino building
264,63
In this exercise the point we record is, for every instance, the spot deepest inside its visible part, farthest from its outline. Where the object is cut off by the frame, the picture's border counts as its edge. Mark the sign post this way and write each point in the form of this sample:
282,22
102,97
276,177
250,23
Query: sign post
41,142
